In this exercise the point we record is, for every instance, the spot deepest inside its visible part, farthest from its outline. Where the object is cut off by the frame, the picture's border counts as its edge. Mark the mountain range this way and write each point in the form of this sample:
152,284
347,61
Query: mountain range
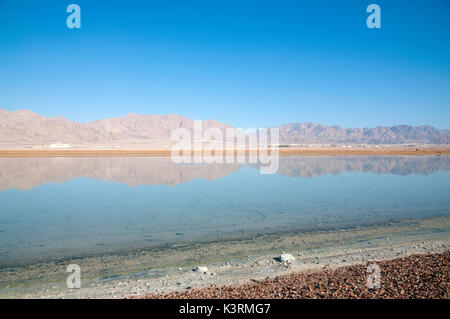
26,127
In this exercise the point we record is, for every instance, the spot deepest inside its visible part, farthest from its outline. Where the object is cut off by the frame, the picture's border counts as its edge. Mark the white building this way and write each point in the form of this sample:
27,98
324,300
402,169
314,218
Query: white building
59,145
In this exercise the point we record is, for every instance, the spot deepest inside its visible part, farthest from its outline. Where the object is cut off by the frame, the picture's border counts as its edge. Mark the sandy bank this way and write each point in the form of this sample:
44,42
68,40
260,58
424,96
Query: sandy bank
337,151
167,270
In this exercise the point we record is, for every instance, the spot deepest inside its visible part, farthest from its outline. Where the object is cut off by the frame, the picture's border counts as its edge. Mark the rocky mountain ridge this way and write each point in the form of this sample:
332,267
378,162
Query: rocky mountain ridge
22,127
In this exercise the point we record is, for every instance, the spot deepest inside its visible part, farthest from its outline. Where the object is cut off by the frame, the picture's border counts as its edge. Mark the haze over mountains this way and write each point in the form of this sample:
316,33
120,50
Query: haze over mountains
26,127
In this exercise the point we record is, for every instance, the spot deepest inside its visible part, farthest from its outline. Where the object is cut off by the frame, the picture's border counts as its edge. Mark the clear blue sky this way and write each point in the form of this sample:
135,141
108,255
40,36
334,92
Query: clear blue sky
246,63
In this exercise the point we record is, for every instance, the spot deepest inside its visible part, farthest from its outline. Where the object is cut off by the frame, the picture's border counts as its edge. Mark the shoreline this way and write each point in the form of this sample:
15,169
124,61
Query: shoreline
294,151
141,273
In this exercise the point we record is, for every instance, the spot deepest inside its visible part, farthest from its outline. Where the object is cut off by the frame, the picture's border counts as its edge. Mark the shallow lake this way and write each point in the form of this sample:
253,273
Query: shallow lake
65,207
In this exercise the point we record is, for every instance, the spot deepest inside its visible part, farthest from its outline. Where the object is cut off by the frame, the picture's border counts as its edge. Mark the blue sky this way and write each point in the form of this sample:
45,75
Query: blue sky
246,63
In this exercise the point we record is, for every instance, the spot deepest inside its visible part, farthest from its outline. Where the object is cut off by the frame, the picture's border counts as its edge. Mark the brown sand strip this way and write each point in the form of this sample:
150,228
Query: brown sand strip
416,276
282,151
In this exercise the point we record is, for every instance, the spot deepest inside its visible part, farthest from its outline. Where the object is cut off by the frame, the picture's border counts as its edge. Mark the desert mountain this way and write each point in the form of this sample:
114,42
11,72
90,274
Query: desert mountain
305,133
26,127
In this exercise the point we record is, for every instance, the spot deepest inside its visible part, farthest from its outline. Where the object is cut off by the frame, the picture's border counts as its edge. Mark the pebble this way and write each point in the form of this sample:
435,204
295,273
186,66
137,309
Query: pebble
202,269
287,258
416,276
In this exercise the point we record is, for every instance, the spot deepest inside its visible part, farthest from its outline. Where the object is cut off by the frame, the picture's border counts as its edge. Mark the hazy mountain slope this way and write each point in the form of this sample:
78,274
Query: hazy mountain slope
303,133
135,126
27,127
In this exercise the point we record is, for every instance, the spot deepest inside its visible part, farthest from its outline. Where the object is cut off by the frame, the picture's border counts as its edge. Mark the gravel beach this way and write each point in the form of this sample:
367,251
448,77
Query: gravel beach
172,272
416,276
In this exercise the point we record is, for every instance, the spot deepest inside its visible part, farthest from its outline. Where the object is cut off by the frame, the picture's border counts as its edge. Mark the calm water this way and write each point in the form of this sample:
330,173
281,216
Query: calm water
63,207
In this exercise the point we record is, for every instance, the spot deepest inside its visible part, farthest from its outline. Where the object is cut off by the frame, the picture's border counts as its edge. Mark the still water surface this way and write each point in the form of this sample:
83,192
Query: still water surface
65,207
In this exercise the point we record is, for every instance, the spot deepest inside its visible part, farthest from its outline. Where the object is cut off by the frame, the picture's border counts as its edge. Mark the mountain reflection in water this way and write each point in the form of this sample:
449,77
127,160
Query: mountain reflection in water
28,173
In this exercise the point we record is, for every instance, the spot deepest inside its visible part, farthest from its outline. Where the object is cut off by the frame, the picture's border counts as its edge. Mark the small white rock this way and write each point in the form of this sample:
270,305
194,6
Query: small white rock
286,258
202,269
